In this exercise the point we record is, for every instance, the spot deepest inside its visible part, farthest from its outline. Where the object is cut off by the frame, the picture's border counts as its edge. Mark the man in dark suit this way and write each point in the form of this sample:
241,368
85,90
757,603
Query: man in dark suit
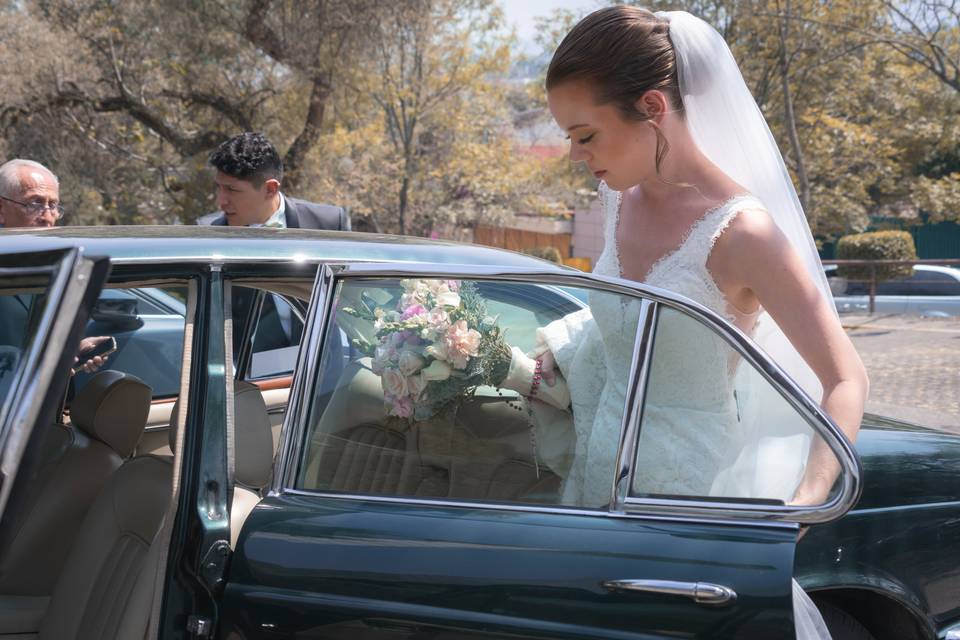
249,173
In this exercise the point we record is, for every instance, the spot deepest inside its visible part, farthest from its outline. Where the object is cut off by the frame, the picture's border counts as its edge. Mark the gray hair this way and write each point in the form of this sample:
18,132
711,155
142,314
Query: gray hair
10,176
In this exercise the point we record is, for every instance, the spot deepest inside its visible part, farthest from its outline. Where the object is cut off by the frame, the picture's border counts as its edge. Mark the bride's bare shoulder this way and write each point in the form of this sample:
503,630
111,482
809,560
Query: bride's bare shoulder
752,239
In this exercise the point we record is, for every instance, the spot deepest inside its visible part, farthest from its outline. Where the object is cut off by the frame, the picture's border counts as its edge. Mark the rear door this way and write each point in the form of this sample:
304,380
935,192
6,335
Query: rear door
475,518
45,300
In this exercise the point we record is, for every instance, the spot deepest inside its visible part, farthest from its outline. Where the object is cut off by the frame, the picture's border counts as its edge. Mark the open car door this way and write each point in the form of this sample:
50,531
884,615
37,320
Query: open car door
397,514
45,300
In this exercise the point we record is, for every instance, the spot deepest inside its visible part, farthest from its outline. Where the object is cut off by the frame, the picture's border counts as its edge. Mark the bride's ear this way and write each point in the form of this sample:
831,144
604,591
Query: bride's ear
653,104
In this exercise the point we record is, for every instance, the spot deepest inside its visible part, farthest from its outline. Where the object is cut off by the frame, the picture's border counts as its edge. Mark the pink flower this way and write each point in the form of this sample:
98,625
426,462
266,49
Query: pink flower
413,310
402,407
394,382
461,342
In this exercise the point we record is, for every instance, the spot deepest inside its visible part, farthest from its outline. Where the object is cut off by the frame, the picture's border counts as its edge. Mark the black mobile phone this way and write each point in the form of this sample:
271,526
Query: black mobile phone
104,348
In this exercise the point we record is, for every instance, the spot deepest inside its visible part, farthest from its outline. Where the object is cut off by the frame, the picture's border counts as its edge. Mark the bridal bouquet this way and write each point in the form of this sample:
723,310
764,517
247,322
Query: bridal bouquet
434,346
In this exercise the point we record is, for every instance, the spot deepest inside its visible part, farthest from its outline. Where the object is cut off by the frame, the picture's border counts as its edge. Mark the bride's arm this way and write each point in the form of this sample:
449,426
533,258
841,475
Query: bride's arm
755,258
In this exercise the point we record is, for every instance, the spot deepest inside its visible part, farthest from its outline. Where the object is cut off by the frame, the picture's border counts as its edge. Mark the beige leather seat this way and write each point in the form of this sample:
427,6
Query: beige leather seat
484,455
108,416
106,586
253,460
106,589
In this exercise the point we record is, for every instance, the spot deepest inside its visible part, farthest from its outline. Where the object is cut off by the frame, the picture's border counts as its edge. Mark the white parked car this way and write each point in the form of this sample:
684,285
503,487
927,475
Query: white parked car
930,291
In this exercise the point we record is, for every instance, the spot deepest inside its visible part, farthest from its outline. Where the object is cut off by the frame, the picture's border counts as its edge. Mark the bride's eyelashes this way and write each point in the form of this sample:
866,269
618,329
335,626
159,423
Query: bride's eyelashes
584,140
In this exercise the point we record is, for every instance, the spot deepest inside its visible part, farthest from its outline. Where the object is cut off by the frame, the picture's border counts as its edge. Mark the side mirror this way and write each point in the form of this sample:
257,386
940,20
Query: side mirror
119,313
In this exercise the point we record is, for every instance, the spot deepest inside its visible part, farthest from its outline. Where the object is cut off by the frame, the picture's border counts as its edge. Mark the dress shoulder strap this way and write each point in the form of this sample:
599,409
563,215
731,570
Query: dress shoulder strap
610,206
711,226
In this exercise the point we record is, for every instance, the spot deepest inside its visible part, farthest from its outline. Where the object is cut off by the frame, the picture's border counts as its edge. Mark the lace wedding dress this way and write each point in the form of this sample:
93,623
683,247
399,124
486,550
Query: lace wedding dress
686,436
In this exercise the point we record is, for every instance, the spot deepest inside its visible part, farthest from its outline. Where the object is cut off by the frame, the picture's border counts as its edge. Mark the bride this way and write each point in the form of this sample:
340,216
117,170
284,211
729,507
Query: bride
698,201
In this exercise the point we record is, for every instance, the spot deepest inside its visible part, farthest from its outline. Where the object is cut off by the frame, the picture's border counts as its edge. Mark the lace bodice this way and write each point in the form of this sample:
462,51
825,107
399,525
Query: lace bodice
685,436
683,270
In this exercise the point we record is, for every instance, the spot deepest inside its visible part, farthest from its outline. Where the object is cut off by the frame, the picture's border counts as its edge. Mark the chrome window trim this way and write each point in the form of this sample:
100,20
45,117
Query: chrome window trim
633,410
712,518
330,273
292,430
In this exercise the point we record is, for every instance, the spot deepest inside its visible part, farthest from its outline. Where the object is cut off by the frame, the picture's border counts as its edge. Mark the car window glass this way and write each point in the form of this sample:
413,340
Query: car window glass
20,311
936,283
413,405
276,338
714,427
147,324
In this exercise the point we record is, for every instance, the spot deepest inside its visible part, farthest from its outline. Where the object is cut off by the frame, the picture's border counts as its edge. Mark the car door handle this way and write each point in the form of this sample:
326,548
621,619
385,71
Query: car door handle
699,592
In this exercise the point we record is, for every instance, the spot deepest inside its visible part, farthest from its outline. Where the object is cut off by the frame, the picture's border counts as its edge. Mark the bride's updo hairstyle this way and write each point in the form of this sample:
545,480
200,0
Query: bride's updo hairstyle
623,52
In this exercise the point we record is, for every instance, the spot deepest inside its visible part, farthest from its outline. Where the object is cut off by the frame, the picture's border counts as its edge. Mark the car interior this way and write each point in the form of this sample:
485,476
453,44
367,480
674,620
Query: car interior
84,544
81,545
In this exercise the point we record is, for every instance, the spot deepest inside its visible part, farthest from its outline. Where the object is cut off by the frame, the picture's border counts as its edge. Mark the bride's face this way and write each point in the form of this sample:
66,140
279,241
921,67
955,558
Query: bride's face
617,150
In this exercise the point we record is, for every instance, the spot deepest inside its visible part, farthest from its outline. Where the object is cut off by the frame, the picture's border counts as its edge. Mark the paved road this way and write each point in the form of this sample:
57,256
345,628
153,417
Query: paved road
913,364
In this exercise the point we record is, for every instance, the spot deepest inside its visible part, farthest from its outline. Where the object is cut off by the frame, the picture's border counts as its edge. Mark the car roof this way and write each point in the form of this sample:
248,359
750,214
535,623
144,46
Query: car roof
189,243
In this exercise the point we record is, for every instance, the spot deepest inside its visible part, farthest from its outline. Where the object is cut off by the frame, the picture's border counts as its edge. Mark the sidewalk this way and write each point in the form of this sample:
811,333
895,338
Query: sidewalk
913,364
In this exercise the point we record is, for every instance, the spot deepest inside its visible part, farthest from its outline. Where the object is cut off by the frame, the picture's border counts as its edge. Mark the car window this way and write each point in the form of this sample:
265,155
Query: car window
935,283
419,406
147,324
714,427
276,332
19,314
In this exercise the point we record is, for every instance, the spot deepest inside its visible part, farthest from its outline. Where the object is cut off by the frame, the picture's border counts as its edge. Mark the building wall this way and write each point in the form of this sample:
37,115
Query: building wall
588,232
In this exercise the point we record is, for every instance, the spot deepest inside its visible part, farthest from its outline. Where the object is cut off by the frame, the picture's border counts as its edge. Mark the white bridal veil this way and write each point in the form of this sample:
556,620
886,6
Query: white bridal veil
730,130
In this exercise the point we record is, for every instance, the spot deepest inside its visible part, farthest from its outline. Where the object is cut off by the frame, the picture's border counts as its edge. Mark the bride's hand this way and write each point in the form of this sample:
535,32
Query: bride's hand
548,368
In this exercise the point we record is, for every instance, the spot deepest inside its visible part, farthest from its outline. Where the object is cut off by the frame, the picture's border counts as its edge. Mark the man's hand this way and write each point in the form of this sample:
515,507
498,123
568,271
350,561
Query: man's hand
95,362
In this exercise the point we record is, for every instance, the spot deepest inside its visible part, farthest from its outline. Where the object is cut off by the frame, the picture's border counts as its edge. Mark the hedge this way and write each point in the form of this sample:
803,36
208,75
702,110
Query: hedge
876,245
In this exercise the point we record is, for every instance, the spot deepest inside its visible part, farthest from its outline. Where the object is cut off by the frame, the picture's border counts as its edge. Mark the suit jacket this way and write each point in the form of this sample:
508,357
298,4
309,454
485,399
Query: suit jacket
300,214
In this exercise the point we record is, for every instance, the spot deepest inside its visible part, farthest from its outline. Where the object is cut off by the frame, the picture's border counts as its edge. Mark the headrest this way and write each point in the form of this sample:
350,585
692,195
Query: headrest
113,407
252,434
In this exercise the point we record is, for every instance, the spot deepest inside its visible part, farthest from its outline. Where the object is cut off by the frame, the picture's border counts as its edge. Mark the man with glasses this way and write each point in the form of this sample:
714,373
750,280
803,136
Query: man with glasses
29,195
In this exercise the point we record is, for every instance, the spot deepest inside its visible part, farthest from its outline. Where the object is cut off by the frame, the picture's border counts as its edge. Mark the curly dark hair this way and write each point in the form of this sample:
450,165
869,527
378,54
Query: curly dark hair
248,156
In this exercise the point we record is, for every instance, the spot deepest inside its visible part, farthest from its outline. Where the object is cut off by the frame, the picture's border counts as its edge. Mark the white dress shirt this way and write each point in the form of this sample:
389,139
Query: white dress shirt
279,218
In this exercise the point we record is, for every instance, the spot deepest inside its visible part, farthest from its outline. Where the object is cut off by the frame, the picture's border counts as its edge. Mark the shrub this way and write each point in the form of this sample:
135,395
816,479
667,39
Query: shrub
876,245
546,253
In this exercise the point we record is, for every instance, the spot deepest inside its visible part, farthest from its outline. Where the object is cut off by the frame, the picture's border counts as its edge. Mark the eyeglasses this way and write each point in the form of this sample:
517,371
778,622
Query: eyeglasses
37,208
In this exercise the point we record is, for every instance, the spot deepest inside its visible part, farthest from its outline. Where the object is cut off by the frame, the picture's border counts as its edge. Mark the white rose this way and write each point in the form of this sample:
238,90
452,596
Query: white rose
438,370
448,299
394,382
409,363
437,350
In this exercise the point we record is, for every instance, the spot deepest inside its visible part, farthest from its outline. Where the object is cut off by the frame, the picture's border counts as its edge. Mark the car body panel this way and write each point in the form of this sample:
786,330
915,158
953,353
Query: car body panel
310,566
903,537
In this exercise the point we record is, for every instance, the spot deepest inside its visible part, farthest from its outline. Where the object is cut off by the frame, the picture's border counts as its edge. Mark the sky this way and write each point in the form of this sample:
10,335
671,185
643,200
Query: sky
521,14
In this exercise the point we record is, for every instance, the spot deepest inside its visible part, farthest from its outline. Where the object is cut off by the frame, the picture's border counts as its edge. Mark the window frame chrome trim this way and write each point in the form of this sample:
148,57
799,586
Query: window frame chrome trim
538,508
294,424
332,272
633,408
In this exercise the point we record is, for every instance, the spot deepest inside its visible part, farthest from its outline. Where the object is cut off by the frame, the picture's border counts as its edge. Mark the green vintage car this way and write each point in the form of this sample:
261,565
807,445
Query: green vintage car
259,504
